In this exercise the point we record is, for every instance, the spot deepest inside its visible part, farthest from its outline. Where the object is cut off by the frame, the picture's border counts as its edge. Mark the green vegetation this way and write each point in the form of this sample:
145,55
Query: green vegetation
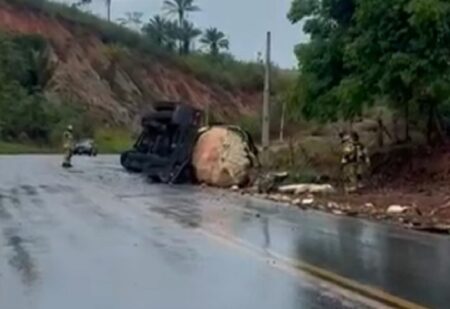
162,32
131,19
113,140
186,31
27,116
16,148
24,112
180,8
215,40
374,52
226,71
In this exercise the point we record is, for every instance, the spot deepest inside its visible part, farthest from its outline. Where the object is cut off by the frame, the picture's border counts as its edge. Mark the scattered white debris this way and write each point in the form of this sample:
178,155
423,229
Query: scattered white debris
297,202
280,198
235,188
288,188
306,188
307,201
333,205
281,175
396,209
286,199
369,205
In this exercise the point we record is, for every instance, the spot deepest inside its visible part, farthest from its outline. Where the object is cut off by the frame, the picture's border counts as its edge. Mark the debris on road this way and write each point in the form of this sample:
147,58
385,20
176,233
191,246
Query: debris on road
235,188
308,201
369,205
397,209
307,188
269,182
173,148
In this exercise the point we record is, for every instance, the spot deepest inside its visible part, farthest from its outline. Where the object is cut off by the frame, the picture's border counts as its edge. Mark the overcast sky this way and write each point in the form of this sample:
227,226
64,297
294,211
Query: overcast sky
244,21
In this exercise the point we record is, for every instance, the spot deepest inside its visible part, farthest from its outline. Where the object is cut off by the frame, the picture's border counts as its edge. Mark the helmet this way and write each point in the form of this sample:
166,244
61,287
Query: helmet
70,127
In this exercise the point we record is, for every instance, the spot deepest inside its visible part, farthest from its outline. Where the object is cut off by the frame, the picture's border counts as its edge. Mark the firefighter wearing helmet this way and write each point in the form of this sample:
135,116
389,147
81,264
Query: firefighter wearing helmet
68,146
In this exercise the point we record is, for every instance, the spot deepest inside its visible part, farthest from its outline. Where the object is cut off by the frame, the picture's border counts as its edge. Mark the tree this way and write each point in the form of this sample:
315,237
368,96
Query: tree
321,60
373,51
133,19
407,59
186,34
155,29
180,8
162,32
81,4
214,40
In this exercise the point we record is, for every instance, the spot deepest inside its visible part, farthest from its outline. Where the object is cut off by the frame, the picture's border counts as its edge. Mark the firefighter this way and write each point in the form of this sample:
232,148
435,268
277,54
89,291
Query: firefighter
349,163
362,160
68,146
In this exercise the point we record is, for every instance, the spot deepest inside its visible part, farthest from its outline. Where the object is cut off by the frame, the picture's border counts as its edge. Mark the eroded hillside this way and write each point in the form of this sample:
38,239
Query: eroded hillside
114,83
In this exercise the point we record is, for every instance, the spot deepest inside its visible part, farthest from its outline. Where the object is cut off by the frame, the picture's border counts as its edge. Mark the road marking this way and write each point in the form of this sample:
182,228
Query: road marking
290,265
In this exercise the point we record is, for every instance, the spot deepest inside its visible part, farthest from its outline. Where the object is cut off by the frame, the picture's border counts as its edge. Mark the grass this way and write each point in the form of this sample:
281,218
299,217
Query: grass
17,148
113,140
108,141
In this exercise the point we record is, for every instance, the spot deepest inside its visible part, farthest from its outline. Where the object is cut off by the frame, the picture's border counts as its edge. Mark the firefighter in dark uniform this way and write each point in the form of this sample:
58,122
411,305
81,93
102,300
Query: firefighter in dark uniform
354,163
68,146
349,163
362,160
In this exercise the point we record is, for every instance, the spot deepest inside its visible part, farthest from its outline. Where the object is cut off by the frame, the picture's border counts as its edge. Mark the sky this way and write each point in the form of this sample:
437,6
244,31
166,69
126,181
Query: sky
244,21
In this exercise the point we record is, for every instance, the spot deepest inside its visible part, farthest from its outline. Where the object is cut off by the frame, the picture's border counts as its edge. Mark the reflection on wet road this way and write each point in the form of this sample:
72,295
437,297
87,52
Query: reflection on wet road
97,237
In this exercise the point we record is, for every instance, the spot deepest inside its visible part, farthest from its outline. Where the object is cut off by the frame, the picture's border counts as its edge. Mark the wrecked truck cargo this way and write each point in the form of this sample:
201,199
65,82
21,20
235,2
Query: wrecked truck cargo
174,148
224,156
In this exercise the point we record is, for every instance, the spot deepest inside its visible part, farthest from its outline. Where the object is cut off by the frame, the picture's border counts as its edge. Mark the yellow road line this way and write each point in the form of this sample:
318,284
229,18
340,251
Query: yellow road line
289,264
368,292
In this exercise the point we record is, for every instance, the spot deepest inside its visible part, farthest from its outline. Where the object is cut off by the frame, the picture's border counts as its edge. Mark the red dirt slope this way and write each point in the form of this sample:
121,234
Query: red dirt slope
80,66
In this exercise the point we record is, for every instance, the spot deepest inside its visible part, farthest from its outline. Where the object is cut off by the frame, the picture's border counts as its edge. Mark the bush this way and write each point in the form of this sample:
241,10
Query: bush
225,70
113,140
25,113
251,124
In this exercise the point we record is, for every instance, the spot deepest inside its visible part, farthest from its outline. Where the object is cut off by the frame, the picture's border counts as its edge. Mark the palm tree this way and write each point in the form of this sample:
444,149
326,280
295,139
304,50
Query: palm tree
215,40
161,31
187,33
133,19
81,3
172,35
180,8
155,29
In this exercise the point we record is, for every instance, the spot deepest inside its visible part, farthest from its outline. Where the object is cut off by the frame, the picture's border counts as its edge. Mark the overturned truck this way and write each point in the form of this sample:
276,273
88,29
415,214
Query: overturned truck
174,148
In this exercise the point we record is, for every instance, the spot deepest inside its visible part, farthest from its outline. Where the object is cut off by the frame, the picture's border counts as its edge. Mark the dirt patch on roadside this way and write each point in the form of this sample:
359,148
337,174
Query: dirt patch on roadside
410,186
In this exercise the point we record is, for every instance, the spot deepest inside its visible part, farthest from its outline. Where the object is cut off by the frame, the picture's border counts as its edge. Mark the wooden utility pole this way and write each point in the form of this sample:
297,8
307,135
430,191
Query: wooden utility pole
266,104
108,9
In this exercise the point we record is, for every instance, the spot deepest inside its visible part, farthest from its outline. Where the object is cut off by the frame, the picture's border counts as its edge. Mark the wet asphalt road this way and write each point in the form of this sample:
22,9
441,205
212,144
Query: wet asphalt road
97,237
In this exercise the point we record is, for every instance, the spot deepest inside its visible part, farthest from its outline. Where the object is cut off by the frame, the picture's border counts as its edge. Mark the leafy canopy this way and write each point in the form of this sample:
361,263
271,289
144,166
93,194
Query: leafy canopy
180,8
214,40
369,51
